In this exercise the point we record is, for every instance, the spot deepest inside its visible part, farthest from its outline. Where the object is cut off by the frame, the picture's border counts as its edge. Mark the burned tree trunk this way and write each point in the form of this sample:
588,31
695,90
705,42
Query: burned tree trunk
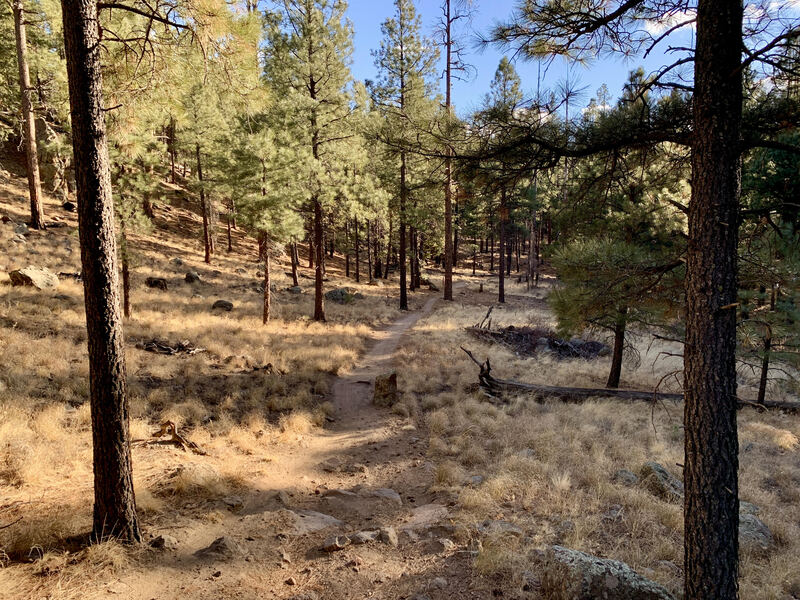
114,502
619,347
295,260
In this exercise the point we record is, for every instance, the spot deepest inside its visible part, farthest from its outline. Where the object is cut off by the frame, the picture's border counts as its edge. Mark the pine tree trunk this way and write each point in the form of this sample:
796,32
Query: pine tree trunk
448,163
114,501
28,123
263,251
230,239
319,298
358,258
369,250
388,248
762,384
711,507
203,207
501,285
126,276
347,248
171,148
474,262
491,253
619,347
295,260
403,192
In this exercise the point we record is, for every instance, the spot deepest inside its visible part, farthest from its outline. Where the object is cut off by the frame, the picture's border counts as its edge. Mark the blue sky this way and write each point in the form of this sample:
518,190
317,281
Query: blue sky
367,16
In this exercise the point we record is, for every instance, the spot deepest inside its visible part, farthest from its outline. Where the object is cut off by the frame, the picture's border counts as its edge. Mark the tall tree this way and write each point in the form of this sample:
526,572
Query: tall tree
714,132
405,61
308,62
114,501
28,124
453,12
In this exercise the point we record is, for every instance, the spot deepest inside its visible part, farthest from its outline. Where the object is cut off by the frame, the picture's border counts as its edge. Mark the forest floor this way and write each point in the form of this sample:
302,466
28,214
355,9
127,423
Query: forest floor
460,493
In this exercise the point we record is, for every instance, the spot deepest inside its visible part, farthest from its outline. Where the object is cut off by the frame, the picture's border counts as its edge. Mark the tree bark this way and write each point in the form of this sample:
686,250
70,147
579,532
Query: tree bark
358,258
295,257
448,162
319,298
501,286
369,249
762,384
711,508
403,194
263,251
619,347
28,123
114,501
126,276
203,207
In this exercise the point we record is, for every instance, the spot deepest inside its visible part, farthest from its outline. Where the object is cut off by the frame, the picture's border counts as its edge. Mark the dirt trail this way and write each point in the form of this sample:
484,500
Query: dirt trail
366,471
352,392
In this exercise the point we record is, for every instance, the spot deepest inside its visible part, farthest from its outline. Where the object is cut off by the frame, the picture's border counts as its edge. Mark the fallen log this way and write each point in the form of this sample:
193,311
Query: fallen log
497,387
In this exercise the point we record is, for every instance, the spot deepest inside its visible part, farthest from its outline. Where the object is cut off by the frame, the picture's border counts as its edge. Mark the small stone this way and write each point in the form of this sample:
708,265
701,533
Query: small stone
388,535
291,581
660,482
439,583
234,503
216,574
336,543
285,557
385,393
475,480
177,262
192,277
295,289
527,453
283,498
164,542
156,283
364,537
20,229
222,305
613,514
499,528
385,493
68,206
221,548
625,477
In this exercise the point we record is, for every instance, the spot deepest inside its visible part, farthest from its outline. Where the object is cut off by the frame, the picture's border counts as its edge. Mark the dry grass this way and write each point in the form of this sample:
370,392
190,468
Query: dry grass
223,399
549,468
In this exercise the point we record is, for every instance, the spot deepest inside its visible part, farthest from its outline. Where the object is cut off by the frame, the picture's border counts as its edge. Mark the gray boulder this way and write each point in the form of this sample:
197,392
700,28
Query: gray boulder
164,542
625,477
192,277
342,296
39,277
754,535
573,575
295,289
385,390
660,482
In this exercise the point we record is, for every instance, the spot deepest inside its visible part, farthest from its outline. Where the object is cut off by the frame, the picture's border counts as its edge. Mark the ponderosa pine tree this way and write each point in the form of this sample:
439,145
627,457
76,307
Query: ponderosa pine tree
307,64
717,140
405,61
28,125
114,501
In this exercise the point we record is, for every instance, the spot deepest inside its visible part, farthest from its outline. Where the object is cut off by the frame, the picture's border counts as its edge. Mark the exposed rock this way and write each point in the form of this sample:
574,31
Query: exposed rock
388,535
625,477
613,514
747,508
307,521
222,548
384,493
343,296
440,545
573,575
385,394
68,206
19,239
336,543
222,305
498,528
527,453
754,535
156,283
364,537
439,583
177,262
295,289
39,277
192,277
291,581
282,497
337,493
660,482
234,503
164,542
475,480
21,229
426,516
